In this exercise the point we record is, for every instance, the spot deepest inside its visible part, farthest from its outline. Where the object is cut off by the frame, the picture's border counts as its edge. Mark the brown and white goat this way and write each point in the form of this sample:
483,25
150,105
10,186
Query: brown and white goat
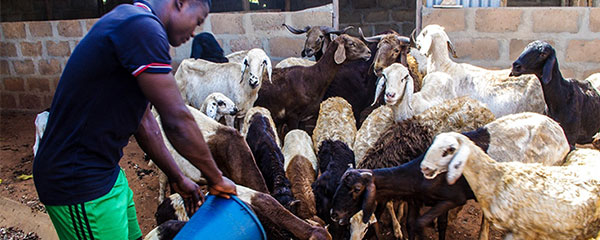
295,92
318,38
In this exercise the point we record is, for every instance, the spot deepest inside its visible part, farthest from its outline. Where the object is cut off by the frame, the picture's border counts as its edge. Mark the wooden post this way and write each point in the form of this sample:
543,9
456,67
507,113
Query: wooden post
418,20
288,5
246,5
336,14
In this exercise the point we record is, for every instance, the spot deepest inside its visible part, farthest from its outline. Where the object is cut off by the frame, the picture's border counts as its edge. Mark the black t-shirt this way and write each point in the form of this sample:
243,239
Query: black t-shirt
98,105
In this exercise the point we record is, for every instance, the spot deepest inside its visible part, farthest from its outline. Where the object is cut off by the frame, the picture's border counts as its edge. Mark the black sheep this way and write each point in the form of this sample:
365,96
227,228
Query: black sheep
205,46
572,103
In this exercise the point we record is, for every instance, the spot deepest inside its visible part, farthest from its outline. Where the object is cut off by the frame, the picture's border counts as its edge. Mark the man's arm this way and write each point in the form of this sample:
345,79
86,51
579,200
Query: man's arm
181,129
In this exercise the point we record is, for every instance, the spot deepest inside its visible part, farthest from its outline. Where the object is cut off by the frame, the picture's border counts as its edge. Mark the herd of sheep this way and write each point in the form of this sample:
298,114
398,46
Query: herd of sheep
380,127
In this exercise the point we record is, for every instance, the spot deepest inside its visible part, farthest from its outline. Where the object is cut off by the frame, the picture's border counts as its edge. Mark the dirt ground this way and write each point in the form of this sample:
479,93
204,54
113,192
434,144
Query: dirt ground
17,138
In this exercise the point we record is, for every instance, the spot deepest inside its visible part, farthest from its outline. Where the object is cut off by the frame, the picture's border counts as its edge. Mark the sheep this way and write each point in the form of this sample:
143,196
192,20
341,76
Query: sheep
296,91
318,38
524,137
274,217
229,150
238,81
370,130
574,104
294,61
268,156
502,94
530,201
297,142
165,231
437,87
594,79
264,112
335,122
237,57
205,46
41,120
393,48
216,105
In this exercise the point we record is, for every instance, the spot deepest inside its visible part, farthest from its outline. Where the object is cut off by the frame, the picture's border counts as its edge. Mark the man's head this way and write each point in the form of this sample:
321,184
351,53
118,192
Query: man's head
181,17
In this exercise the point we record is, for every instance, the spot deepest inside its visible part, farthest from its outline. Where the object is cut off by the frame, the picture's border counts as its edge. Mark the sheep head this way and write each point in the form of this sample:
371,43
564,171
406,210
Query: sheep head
355,192
399,85
431,35
317,37
256,62
217,105
350,48
390,49
448,152
537,58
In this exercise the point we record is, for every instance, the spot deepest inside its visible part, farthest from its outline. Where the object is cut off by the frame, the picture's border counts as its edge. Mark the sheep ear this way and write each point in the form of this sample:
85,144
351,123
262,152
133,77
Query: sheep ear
425,45
451,49
380,84
457,164
369,203
211,111
269,69
340,54
408,90
548,67
244,66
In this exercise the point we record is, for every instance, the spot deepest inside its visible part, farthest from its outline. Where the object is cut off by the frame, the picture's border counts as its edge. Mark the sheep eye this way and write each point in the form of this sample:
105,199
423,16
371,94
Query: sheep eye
221,103
448,151
246,62
214,104
264,62
396,50
351,44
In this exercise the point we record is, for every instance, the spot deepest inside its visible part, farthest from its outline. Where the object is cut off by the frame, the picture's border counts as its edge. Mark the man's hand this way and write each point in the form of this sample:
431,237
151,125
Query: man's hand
222,188
191,194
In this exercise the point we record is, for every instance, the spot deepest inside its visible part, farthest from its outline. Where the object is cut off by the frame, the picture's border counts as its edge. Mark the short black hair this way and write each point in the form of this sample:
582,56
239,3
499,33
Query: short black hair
207,2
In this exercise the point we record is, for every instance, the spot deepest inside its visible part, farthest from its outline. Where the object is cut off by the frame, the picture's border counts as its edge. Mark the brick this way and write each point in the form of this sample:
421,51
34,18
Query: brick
267,21
31,49
555,20
389,4
227,24
285,47
350,17
49,66
40,29
595,19
38,84
59,49
497,20
386,27
29,101
8,101
583,51
404,16
517,46
362,4
407,28
477,49
452,20
4,68
302,19
47,100
69,28
376,16
8,49
13,30
244,43
24,67
89,23
13,84
199,29
567,72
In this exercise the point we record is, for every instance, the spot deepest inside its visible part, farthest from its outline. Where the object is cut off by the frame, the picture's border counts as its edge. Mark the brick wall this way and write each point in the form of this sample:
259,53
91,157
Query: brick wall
495,37
33,54
375,16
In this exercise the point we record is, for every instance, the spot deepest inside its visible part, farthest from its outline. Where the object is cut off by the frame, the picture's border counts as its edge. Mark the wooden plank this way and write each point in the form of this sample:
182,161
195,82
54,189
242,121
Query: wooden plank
288,5
336,14
246,5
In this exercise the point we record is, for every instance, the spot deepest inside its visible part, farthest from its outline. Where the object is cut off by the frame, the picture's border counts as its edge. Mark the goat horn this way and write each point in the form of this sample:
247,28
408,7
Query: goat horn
295,30
403,39
330,30
412,38
372,39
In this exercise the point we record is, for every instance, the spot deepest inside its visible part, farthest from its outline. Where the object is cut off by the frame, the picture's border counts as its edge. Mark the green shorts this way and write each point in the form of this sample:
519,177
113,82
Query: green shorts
111,216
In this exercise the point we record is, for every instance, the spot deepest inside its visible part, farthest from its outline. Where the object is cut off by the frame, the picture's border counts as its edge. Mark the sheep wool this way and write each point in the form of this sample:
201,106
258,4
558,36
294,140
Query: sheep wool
336,122
376,123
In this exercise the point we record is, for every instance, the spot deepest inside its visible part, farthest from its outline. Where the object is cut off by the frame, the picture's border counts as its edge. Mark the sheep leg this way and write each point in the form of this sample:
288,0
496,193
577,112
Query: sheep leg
162,183
442,225
397,228
485,229
437,210
413,214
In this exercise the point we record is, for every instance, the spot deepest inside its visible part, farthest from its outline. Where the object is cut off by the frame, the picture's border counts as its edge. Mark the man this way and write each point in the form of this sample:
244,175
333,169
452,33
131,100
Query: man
119,68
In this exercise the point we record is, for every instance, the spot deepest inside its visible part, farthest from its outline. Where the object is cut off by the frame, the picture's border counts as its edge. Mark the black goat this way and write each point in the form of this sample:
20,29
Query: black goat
572,103
269,159
205,46
334,158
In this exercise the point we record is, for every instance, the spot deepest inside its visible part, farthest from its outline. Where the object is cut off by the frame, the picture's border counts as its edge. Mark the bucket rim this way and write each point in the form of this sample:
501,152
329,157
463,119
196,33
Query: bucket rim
252,215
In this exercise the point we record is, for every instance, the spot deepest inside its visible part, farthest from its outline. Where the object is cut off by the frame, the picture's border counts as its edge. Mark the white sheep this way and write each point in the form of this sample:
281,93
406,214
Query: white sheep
237,57
294,61
371,129
529,200
238,81
502,94
40,126
335,122
297,142
594,79
437,87
216,105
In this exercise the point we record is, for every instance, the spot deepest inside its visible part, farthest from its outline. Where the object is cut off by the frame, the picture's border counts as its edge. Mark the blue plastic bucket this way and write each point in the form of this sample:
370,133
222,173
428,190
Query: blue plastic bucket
223,219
